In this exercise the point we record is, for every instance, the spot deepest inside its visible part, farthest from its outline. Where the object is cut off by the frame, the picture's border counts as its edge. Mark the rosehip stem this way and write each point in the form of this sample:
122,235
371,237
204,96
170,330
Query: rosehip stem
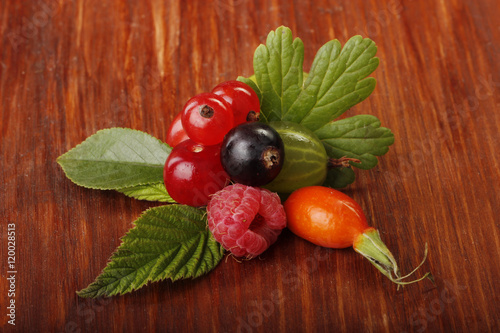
370,246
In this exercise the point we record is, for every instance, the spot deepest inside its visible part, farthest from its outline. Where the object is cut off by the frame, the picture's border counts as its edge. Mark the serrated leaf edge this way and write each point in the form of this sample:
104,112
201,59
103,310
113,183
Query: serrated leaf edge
91,292
356,40
166,198
373,122
61,157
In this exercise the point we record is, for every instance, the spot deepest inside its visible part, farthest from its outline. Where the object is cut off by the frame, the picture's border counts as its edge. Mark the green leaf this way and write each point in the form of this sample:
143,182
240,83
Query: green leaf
252,83
150,192
170,241
278,72
116,158
337,81
358,137
339,177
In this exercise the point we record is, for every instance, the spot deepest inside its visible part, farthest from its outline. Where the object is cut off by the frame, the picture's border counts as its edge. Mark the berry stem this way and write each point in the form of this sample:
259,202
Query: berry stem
342,162
370,246
252,116
206,111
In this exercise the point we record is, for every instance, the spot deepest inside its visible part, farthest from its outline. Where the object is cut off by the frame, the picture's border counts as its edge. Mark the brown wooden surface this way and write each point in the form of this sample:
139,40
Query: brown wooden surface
70,68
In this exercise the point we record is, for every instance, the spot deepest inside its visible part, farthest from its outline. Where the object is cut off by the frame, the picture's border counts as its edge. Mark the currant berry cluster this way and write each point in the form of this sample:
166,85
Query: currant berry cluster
196,169
217,139
207,117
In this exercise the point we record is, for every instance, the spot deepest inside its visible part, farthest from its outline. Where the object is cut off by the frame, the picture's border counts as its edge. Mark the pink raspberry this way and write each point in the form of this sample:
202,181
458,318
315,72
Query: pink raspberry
245,220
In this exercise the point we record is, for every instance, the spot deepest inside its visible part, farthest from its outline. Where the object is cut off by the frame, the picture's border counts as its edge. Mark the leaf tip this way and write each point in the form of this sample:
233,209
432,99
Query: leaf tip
84,293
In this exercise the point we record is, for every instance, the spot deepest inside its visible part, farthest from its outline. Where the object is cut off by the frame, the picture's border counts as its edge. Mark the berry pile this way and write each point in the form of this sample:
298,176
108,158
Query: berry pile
193,171
217,139
231,166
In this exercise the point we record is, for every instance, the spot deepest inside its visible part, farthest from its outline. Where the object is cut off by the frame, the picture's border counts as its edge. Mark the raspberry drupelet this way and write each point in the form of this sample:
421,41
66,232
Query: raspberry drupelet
245,220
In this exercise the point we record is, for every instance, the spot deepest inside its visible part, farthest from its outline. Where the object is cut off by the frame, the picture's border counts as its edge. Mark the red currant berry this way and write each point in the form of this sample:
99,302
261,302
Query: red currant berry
206,118
193,173
176,133
242,99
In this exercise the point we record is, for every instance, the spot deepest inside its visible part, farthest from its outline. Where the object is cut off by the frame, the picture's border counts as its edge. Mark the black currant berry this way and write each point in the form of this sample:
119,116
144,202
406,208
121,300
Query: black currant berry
252,154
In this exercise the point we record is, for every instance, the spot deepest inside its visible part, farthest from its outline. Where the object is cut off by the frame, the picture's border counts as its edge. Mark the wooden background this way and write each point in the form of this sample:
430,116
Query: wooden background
70,68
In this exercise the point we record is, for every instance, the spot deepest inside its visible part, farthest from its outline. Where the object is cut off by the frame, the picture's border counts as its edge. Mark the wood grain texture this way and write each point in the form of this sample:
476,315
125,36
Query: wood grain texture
70,68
